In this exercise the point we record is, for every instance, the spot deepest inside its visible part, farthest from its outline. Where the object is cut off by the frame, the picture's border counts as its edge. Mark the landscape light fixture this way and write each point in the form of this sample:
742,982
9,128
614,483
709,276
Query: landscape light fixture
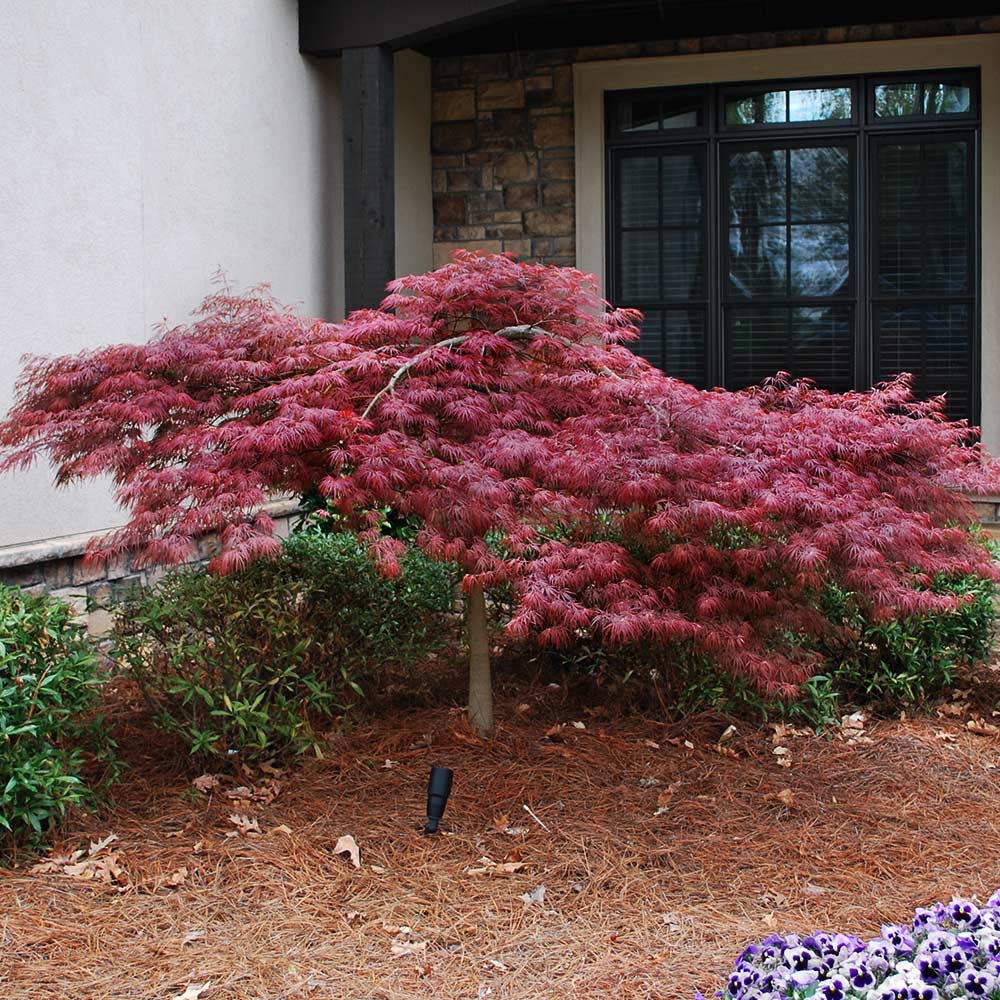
438,790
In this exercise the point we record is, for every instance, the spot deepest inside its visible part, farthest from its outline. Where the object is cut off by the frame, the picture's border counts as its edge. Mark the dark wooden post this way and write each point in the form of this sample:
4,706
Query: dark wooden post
369,203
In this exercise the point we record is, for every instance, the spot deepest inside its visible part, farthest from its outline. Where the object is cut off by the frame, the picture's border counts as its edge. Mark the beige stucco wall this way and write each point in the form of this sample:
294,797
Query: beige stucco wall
145,145
591,80
412,152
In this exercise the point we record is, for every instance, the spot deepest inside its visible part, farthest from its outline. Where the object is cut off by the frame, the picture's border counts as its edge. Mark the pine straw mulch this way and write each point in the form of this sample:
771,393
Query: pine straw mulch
662,854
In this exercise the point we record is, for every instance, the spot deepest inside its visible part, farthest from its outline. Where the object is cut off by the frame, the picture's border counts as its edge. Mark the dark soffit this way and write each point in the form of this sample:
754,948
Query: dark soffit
456,27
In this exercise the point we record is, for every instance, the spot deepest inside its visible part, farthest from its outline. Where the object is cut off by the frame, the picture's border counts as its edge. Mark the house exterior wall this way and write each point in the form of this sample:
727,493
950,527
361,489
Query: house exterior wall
142,149
145,146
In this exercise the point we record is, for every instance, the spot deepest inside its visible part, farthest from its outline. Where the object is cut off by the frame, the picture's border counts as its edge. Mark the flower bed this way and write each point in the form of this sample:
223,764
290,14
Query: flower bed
947,951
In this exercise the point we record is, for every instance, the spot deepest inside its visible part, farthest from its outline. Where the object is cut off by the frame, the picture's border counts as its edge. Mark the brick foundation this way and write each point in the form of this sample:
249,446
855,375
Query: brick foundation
502,133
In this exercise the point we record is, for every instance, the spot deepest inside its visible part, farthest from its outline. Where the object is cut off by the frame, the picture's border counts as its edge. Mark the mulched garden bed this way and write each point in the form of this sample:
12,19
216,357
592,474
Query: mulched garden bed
662,850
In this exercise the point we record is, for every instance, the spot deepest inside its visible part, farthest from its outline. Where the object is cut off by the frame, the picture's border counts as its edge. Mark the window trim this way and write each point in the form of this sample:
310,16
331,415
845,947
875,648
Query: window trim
863,127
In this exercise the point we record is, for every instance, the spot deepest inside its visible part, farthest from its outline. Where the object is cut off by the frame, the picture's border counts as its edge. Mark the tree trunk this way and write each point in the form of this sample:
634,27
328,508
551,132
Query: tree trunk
480,681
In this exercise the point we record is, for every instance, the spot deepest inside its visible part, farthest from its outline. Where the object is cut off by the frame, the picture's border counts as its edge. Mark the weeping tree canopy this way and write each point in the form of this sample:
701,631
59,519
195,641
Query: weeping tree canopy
495,402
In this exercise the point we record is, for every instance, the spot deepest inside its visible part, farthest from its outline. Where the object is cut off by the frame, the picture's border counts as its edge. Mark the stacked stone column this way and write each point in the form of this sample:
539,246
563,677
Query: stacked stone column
502,147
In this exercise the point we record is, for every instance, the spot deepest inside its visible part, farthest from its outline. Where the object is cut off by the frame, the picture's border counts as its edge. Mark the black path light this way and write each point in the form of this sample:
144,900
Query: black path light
438,790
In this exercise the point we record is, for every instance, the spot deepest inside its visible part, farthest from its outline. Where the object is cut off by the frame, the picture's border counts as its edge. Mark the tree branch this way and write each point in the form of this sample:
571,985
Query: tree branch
523,332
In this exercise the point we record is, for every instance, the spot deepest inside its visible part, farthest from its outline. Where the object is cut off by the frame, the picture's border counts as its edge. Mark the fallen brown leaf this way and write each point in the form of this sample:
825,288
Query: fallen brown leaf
176,878
348,845
244,825
981,727
786,797
193,992
401,949
487,866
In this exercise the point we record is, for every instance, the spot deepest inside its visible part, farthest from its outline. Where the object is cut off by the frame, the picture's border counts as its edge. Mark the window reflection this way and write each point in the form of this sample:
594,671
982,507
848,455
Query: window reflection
914,98
818,105
801,104
789,241
820,263
757,109
946,99
820,183
758,260
894,100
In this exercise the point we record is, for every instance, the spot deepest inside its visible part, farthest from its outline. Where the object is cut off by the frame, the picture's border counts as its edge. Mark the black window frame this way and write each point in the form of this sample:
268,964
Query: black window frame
863,128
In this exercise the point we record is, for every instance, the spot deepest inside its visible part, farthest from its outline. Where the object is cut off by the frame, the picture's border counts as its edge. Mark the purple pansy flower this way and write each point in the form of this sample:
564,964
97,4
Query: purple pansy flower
948,952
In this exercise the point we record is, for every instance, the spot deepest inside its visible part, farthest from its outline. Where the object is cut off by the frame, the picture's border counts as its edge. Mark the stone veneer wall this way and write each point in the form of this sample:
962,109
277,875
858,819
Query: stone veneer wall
57,567
502,132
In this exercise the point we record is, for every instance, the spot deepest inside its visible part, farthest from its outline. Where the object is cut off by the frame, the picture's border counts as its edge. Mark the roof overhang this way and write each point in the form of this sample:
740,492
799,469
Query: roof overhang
453,27
327,27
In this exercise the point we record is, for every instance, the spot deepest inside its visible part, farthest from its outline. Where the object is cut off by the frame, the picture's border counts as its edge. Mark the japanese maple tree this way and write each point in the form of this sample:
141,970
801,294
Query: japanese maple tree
497,404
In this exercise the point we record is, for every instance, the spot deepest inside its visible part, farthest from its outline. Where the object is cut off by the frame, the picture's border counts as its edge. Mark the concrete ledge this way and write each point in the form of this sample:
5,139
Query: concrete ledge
70,546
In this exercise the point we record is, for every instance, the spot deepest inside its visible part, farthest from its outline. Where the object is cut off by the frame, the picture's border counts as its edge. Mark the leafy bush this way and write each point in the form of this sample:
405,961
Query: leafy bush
47,685
947,951
888,665
320,515
907,660
251,661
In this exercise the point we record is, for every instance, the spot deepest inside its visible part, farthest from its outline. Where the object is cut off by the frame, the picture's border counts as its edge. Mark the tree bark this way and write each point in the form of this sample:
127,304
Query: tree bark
480,680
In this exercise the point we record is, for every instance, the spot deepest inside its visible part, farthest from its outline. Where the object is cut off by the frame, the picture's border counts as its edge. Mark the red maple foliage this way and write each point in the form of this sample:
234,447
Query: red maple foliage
496,403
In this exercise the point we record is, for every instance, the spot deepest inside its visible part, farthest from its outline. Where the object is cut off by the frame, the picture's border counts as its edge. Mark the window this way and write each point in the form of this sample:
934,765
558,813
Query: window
827,228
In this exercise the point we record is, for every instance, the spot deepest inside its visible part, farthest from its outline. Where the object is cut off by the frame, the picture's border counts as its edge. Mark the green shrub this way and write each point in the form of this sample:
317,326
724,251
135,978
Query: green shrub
891,665
47,687
251,662
317,514
909,660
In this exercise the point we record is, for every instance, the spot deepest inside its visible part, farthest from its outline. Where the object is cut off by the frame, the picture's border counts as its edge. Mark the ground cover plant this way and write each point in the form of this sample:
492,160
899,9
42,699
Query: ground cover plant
946,950
48,677
497,405
248,663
